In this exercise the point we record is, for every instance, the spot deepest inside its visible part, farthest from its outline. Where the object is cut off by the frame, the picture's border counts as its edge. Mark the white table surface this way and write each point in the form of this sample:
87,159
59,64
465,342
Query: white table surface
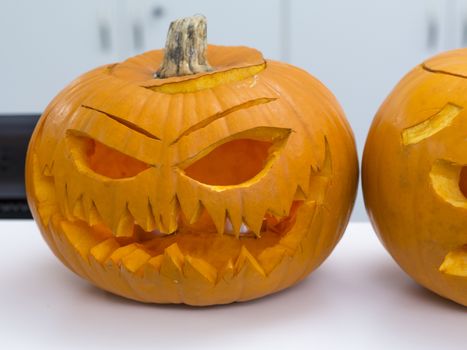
358,299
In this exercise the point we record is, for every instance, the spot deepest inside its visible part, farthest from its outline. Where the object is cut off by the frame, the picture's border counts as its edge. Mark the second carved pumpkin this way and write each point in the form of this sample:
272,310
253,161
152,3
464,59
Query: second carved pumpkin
415,174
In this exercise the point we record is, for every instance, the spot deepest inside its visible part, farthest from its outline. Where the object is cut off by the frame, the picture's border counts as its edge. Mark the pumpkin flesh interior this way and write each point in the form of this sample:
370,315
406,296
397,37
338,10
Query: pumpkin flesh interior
111,163
232,163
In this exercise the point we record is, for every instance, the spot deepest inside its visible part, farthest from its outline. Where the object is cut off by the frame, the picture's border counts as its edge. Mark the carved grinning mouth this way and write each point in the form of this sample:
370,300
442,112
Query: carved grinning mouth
199,240
211,254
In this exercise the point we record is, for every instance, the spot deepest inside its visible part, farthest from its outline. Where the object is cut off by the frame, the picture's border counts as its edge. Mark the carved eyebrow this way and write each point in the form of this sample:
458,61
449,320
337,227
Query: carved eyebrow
212,118
124,122
432,125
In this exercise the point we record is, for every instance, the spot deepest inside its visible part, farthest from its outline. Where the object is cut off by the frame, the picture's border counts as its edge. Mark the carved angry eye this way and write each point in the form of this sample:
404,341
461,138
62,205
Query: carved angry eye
238,160
104,160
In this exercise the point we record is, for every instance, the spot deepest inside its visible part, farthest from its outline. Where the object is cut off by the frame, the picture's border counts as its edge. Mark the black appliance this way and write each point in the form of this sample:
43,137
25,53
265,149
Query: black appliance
15,132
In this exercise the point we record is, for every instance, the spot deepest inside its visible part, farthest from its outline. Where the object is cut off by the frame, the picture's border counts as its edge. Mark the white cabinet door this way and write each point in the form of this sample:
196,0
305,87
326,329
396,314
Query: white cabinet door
45,44
254,23
361,48
457,23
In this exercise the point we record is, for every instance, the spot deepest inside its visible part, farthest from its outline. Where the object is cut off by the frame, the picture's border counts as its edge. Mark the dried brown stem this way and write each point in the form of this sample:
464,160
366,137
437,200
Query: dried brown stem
185,48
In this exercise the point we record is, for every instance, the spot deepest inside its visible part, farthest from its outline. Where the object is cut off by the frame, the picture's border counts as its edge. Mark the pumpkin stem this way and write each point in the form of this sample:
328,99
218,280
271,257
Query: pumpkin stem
185,48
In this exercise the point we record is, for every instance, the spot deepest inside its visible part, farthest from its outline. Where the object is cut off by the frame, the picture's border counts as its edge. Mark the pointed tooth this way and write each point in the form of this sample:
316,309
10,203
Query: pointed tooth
195,269
156,262
169,217
320,177
191,208
304,181
149,224
283,195
155,216
217,214
234,207
78,209
189,201
299,194
150,219
125,226
141,212
197,214
319,157
135,260
227,273
234,221
170,224
91,212
255,226
253,215
272,257
228,226
174,254
318,188
94,216
120,253
172,263
152,268
326,167
246,261
86,203
103,250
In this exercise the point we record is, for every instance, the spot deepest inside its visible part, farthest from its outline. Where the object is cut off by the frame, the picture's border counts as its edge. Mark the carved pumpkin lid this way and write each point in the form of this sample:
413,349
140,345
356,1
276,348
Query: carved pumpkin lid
452,62
140,69
187,63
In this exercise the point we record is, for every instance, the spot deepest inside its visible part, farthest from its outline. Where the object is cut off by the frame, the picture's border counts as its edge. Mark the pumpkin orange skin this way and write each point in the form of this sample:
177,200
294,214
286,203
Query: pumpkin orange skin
414,174
123,178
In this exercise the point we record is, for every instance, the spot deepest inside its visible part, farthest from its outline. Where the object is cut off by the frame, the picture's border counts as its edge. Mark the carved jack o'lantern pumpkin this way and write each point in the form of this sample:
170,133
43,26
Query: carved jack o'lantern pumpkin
192,183
415,174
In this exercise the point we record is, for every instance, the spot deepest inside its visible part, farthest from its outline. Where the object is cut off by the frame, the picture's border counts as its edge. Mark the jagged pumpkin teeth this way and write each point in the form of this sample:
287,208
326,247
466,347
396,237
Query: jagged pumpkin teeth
171,174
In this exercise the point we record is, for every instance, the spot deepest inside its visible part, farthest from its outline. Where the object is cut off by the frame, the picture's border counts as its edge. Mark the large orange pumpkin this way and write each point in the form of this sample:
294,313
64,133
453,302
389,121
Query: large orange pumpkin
415,174
223,183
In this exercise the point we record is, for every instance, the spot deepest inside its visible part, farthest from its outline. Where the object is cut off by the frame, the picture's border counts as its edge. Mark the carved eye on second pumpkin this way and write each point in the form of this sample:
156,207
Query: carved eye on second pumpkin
237,160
